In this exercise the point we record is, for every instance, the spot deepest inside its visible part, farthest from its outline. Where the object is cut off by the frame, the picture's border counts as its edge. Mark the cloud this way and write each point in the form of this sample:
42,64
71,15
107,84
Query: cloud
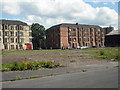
105,3
10,8
51,12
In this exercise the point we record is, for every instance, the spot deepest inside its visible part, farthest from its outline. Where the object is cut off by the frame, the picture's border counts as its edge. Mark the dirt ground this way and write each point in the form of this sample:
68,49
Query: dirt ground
71,58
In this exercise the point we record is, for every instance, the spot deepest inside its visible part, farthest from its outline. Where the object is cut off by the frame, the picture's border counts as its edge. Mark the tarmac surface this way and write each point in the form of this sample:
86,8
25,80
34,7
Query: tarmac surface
8,76
102,78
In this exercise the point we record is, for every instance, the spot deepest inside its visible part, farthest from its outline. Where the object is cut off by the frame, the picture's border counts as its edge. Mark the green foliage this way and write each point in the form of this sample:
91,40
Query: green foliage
38,33
29,66
102,52
108,53
17,78
32,77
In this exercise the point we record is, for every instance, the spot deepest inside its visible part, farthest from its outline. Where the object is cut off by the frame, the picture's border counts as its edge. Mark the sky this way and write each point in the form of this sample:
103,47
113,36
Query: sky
52,12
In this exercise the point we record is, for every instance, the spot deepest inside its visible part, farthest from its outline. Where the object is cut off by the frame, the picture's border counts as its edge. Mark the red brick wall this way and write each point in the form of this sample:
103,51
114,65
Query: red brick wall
57,37
64,37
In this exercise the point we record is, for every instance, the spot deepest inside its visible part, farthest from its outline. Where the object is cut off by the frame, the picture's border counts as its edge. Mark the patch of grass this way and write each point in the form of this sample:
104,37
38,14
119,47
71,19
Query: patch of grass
105,53
32,77
17,78
29,66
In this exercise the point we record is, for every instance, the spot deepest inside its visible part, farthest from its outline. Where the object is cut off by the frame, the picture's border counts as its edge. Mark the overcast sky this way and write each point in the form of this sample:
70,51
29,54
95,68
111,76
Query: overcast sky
52,12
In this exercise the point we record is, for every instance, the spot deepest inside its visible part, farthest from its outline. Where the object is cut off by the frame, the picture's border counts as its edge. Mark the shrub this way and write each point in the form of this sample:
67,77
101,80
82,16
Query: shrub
29,66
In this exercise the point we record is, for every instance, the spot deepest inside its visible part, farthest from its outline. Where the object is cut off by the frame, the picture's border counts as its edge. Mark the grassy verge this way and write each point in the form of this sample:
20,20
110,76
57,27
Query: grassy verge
105,53
28,66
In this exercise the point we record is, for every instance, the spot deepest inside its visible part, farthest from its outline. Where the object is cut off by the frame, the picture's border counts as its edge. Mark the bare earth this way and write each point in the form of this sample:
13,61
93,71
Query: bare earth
71,58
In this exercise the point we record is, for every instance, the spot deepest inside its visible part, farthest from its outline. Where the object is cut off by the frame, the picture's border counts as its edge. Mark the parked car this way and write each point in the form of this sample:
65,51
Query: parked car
84,47
69,47
78,47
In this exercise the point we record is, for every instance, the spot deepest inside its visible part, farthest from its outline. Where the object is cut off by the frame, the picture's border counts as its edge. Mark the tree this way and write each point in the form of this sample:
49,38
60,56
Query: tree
38,34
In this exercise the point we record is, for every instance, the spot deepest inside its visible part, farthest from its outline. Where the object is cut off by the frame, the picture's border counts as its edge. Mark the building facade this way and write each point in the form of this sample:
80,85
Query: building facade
73,35
15,35
112,39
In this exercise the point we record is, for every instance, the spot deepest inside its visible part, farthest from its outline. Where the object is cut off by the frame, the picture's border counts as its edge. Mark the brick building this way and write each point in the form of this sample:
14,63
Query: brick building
73,35
15,35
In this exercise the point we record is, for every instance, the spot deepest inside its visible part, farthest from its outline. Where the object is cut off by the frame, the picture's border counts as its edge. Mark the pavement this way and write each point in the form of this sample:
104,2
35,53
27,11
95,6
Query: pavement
8,76
103,78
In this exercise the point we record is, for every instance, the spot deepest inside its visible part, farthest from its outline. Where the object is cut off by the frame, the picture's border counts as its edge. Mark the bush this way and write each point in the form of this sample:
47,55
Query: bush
29,66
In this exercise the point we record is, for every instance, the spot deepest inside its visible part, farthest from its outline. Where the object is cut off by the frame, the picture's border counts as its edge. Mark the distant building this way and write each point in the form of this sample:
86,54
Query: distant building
73,35
113,39
14,35
108,30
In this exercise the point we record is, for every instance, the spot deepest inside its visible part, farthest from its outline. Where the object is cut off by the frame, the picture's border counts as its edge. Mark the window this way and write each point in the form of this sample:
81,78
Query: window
74,39
6,33
21,40
21,46
69,34
16,33
11,27
0,40
16,40
17,27
69,29
79,39
5,40
30,39
73,34
20,33
6,46
29,27
11,33
70,39
86,30
0,27
91,29
79,34
6,27
20,27
12,46
16,46
30,33
74,29
12,40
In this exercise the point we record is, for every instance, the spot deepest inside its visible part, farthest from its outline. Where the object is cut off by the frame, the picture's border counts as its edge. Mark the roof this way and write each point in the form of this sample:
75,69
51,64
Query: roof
80,25
76,25
13,22
114,32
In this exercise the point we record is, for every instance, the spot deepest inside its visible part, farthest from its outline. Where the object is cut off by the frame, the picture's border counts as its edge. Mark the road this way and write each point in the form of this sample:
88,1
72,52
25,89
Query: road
107,78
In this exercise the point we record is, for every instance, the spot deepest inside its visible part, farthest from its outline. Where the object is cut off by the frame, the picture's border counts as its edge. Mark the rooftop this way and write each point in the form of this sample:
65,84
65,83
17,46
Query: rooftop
12,22
76,25
114,32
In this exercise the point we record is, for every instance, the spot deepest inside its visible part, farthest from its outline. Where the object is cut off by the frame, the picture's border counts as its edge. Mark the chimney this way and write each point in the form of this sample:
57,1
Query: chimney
76,23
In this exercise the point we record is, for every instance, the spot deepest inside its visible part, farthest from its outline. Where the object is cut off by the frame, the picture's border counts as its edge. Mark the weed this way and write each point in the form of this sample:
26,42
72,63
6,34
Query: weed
17,78
102,52
29,66
32,77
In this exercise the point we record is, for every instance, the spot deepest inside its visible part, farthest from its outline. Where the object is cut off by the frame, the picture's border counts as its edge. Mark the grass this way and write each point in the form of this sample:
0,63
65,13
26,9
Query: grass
17,78
28,66
107,53
32,77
